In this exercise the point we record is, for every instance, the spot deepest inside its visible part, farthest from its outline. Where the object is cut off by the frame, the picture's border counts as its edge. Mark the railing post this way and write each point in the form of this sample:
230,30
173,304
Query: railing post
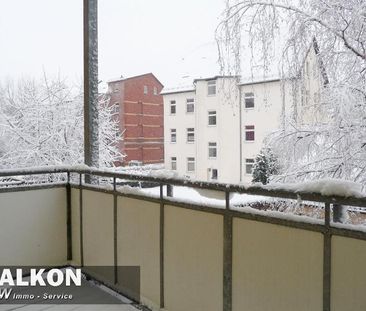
169,190
228,254
161,234
339,213
327,259
115,220
81,219
68,218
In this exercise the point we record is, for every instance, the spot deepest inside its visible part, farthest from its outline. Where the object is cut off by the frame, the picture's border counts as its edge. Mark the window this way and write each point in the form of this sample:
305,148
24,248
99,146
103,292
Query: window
212,150
173,107
190,105
155,91
249,166
173,135
212,118
249,133
145,89
173,161
214,173
190,135
190,165
249,100
211,87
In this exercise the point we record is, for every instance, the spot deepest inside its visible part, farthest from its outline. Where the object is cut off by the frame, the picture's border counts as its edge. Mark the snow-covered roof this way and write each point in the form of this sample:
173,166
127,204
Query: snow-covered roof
249,81
121,78
214,78
178,89
115,79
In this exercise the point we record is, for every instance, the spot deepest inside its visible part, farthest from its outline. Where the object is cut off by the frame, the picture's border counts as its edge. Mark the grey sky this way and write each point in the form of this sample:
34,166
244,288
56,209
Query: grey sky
171,38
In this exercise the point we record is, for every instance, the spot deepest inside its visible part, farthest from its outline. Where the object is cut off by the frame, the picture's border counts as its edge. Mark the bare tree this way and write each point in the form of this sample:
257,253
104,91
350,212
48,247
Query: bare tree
41,123
334,144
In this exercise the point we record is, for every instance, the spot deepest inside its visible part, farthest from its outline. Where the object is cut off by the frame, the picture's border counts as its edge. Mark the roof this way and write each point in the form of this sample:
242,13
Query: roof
191,88
214,78
134,77
178,89
259,81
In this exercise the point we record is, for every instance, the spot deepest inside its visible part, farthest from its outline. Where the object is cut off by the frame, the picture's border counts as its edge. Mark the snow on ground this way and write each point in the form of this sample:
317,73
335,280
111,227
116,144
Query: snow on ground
192,196
180,194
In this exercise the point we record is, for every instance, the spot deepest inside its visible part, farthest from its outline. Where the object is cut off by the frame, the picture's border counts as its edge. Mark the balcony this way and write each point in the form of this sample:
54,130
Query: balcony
192,255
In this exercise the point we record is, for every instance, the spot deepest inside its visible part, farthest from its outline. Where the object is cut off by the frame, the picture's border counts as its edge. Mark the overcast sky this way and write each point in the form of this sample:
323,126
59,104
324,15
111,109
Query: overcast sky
174,39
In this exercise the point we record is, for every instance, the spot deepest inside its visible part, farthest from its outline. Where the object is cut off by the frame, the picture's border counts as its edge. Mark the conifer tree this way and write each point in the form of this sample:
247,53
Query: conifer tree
265,165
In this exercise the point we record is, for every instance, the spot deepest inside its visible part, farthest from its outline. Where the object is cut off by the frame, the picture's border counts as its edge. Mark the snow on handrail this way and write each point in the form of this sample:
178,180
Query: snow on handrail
326,190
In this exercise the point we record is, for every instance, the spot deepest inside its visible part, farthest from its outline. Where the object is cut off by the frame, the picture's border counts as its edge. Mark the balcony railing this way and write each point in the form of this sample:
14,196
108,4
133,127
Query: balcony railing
193,256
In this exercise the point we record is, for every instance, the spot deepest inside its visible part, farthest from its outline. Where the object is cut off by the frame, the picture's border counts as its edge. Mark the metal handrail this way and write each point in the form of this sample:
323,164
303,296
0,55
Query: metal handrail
223,187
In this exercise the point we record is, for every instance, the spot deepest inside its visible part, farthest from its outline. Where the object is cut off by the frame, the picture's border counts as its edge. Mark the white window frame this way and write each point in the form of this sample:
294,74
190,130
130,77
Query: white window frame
145,89
249,96
155,90
190,102
173,133
190,133
212,113
249,162
247,130
172,104
211,88
191,161
212,146
173,163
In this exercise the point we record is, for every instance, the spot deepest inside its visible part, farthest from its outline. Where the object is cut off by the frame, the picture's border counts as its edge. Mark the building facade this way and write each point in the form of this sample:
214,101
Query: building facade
261,110
139,107
216,128
202,125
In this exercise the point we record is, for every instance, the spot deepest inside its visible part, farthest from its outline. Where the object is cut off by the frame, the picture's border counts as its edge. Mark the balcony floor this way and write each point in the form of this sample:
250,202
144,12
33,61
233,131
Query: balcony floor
84,299
122,307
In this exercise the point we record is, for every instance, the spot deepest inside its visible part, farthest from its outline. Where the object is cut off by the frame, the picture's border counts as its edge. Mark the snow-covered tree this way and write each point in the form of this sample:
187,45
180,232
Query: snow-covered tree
333,145
41,123
265,166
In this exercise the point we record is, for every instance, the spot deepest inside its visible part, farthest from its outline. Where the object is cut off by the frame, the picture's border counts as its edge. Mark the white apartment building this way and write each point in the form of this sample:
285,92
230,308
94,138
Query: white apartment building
179,131
214,129
261,110
201,127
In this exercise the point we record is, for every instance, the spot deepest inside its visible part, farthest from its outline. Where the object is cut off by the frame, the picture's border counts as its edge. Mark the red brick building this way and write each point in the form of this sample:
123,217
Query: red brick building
141,116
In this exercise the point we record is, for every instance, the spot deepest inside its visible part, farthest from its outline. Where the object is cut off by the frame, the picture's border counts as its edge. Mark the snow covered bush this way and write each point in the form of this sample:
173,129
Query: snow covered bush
41,123
265,165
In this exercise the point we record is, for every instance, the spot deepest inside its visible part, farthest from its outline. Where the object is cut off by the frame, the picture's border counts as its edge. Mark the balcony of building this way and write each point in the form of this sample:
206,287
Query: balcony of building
193,255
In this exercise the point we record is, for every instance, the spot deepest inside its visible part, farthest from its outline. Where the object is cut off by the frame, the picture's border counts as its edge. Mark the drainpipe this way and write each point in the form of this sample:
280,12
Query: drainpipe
240,138
91,134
